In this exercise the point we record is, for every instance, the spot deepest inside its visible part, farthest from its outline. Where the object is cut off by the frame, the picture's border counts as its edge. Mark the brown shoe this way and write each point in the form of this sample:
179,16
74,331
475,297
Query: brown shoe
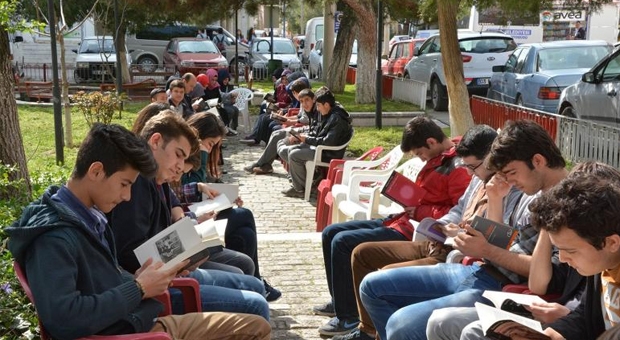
291,192
263,170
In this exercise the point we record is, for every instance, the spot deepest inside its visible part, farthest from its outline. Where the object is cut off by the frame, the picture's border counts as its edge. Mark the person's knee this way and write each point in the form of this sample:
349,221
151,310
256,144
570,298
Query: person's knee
361,253
438,325
398,327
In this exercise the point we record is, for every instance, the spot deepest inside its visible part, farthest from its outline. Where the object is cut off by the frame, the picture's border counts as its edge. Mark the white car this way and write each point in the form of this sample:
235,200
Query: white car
284,50
479,52
315,67
96,60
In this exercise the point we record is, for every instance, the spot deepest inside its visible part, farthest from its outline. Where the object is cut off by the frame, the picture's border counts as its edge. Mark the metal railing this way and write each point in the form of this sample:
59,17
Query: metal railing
410,91
578,140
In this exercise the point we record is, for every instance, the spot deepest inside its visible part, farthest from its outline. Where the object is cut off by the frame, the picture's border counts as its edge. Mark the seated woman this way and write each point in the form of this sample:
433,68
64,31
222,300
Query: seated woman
212,91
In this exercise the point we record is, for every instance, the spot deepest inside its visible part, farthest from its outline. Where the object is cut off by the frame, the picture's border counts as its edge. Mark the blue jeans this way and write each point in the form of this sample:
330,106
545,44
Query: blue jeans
226,292
401,300
339,240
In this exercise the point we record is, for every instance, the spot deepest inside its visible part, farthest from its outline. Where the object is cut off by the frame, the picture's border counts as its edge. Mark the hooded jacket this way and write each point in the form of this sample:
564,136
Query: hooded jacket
76,282
332,129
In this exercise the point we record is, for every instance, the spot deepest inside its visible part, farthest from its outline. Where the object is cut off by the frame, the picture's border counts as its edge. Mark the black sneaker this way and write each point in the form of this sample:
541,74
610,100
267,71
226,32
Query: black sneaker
337,326
326,309
355,334
271,294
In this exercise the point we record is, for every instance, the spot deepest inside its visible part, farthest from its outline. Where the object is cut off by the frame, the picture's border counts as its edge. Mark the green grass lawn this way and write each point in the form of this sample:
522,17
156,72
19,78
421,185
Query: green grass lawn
347,99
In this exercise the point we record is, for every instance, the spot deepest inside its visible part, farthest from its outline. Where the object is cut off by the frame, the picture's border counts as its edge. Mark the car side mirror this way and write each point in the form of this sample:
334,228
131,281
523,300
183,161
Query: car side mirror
131,51
320,52
416,51
589,77
18,38
499,68
74,51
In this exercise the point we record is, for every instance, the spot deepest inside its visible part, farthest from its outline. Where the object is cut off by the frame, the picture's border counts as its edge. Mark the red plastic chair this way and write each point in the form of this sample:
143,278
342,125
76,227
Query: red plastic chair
324,200
191,298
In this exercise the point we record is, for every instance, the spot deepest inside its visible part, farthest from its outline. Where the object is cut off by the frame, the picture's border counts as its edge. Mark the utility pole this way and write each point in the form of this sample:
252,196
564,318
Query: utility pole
58,132
379,93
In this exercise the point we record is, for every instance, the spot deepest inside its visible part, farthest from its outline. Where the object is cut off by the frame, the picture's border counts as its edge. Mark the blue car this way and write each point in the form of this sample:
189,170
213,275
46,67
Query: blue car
535,74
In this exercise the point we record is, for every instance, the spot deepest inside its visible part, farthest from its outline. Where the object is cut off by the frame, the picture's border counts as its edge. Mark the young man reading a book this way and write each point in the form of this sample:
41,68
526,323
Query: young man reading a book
171,141
528,158
371,256
64,245
334,128
444,183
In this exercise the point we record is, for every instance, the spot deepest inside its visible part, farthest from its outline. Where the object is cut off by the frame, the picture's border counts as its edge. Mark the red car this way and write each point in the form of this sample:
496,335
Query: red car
193,55
400,54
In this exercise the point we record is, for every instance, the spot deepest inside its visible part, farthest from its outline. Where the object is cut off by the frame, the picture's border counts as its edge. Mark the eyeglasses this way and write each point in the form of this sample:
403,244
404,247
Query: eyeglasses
471,167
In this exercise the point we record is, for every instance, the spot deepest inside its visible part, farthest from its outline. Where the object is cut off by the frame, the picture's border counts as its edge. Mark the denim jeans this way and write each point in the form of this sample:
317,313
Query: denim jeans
226,292
339,240
401,300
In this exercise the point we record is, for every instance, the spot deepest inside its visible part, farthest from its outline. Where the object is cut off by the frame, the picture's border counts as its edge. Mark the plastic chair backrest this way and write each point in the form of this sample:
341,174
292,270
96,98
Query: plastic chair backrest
243,96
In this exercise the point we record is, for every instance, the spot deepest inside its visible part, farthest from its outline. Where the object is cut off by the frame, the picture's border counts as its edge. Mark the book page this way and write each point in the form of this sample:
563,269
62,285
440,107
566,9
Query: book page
489,316
218,203
431,228
230,190
212,229
498,298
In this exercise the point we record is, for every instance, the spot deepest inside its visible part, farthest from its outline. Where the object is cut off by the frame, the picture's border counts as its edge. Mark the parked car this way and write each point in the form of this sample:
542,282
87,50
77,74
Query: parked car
96,60
596,97
479,52
283,50
397,38
315,66
535,74
193,55
399,56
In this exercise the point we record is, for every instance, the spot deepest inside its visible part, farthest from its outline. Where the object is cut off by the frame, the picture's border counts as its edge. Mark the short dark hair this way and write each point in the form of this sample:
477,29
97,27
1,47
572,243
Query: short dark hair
171,126
147,113
417,131
585,203
298,85
520,140
306,93
324,95
476,141
116,148
157,91
179,83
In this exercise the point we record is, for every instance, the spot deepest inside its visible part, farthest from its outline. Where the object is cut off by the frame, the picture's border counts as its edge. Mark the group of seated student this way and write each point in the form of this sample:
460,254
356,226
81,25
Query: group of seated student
286,98
240,255
68,250
568,244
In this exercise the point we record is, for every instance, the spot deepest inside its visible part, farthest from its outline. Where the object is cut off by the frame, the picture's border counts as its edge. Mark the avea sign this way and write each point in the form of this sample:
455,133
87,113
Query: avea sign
562,15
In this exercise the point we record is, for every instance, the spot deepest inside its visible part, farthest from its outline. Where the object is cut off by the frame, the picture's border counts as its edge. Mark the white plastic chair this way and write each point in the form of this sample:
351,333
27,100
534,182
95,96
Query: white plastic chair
243,98
369,205
317,161
386,164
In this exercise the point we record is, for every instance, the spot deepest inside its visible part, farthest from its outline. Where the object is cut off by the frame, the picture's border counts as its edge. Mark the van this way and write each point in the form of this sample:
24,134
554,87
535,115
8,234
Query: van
314,32
150,42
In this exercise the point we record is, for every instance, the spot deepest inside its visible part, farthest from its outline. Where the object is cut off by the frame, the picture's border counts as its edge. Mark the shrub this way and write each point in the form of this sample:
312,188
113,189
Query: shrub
17,315
97,106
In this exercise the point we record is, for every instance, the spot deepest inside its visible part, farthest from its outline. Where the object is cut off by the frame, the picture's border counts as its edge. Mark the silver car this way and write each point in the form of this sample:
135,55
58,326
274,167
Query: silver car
596,97
283,50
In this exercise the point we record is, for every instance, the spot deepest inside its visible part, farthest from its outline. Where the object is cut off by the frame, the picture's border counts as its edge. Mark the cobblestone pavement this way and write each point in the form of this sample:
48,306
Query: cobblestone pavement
289,248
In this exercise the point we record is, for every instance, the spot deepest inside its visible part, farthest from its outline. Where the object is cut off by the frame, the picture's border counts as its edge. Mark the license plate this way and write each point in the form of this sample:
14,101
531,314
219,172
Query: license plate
100,72
483,81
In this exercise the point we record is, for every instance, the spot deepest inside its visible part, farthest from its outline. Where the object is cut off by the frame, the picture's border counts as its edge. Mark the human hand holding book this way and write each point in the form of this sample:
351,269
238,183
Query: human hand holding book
153,279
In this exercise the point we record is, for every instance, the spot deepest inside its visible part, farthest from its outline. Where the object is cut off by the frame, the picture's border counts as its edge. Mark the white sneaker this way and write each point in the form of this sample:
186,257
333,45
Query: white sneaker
232,132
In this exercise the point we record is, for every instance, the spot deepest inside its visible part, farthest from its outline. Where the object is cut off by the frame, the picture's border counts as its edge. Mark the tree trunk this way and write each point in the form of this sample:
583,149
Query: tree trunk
65,91
122,30
336,74
366,50
11,144
329,12
458,107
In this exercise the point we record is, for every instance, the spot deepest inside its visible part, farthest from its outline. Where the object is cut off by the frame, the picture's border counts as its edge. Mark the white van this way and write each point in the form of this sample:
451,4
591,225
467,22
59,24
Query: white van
149,43
314,32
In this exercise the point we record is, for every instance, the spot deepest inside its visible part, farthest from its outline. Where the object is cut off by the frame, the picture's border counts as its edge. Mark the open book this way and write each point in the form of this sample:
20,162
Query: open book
498,234
431,228
403,191
498,324
183,240
226,199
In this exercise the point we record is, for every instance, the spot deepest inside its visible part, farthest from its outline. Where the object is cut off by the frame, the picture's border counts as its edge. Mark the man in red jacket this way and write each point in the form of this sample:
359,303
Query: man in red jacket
444,182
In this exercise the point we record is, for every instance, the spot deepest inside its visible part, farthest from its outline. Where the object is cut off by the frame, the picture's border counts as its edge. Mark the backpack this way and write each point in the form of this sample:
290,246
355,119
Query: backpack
219,42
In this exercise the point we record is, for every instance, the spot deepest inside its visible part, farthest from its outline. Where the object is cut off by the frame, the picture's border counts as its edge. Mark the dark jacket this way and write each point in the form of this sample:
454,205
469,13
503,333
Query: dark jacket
585,322
333,129
75,279
566,281
139,219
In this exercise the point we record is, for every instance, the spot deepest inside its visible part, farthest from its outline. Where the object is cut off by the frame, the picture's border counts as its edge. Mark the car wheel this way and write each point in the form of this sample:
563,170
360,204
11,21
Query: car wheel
438,96
569,111
147,64
241,66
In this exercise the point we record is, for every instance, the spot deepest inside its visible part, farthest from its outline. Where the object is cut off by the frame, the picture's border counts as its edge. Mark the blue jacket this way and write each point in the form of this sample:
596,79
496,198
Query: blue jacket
77,284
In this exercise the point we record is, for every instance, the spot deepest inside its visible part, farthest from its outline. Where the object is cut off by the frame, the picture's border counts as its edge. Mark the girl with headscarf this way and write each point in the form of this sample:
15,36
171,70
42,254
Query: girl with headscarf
230,116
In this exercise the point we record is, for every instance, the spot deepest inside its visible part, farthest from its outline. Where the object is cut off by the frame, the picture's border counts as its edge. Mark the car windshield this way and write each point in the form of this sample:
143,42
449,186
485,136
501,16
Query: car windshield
281,47
354,50
197,46
570,57
97,46
487,45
